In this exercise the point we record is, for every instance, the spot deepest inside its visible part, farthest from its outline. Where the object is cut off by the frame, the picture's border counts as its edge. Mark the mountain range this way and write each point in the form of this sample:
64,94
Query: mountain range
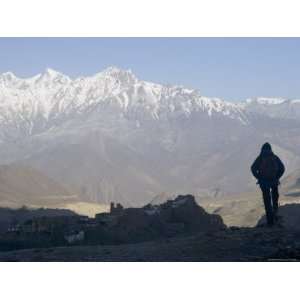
114,137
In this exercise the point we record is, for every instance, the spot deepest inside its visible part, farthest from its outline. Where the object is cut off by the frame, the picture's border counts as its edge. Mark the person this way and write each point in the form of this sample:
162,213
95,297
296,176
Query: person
268,169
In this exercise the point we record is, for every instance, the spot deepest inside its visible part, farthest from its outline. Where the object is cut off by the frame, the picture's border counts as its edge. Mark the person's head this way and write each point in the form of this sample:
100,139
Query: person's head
266,148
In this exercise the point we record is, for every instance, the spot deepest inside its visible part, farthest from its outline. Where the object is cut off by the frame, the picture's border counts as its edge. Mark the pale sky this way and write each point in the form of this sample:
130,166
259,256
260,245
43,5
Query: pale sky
229,68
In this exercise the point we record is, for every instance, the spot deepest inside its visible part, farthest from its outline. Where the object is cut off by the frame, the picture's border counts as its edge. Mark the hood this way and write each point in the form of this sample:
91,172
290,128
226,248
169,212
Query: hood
266,149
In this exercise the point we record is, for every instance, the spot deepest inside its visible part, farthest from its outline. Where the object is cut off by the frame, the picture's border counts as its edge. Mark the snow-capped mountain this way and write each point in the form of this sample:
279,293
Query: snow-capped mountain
274,107
112,136
32,105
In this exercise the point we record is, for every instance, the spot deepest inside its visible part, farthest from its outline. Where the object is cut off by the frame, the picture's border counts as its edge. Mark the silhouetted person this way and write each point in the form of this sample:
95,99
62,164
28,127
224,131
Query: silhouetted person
267,169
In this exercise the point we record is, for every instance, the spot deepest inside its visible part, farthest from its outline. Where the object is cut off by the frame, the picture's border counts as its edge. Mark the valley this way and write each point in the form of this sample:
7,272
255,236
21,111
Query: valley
113,137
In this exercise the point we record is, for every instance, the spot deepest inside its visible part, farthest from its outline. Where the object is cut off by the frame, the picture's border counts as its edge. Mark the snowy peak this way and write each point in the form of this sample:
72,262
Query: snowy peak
7,79
265,101
51,76
8,76
52,98
48,77
271,101
279,108
114,76
118,73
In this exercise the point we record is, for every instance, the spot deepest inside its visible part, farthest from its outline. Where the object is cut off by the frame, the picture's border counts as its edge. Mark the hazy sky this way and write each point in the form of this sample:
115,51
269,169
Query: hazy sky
230,68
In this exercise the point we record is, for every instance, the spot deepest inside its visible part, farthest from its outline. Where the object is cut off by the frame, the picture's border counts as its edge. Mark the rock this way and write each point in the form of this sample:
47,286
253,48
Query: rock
179,216
288,217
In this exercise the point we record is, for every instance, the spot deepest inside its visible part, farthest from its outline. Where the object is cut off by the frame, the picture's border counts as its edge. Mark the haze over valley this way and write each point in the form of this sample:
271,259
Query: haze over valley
114,137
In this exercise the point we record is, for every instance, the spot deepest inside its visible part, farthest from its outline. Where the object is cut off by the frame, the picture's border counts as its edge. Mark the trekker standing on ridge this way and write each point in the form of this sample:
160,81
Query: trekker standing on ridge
267,169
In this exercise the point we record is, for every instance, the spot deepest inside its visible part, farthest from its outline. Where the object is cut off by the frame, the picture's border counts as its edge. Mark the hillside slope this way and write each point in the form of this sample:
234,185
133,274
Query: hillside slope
21,185
115,137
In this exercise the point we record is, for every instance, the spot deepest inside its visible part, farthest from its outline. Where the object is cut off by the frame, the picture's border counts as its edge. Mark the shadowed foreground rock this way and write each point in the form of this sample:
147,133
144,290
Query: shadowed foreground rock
289,217
236,244
172,218
180,230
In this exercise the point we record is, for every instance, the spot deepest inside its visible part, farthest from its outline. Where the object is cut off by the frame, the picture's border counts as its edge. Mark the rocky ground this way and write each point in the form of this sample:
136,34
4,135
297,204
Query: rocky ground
202,237
233,244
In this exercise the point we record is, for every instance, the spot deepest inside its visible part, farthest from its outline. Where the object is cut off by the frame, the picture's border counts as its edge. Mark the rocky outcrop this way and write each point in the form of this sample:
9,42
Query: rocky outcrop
179,216
177,230
288,217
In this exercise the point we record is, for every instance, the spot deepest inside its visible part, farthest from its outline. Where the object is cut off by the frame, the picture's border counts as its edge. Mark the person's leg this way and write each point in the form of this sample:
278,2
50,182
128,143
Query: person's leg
268,205
275,196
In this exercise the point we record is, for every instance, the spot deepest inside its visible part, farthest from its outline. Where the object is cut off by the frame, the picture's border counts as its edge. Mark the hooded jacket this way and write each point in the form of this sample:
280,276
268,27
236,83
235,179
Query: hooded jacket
266,150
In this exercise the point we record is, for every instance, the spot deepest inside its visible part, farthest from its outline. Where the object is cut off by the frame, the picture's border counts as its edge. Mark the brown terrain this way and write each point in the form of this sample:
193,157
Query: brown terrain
23,185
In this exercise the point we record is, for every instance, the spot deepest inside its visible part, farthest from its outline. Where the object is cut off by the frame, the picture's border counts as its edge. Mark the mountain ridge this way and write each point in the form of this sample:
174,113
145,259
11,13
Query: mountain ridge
113,137
43,101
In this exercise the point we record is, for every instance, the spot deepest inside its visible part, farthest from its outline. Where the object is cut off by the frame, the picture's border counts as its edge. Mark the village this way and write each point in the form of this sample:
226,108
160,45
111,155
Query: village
68,228
119,225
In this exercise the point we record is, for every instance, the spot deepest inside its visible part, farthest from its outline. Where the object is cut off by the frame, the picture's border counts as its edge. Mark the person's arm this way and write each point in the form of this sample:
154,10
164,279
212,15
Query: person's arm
255,169
281,168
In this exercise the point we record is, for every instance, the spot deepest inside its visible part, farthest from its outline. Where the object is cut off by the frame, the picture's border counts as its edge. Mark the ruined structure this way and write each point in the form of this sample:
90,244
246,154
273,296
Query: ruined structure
116,210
